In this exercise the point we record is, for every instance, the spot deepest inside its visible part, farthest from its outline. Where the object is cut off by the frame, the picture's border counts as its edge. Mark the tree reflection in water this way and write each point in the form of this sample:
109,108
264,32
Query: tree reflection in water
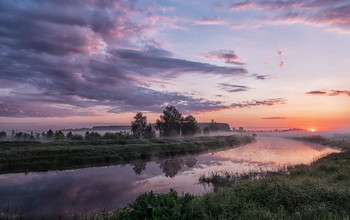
170,166
139,166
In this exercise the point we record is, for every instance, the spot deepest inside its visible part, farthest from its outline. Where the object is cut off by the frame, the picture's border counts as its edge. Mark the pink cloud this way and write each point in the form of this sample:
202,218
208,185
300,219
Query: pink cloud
241,6
282,63
211,21
229,56
333,14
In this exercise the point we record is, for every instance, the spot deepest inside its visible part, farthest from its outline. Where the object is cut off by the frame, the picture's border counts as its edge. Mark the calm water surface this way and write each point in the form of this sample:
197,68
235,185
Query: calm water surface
91,189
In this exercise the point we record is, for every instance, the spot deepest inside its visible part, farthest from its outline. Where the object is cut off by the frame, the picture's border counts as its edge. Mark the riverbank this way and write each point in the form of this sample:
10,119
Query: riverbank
316,191
27,156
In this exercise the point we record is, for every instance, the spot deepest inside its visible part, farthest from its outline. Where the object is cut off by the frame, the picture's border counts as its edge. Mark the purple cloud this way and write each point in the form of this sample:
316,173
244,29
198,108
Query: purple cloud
273,118
316,92
267,102
63,58
329,92
229,56
233,88
314,12
261,77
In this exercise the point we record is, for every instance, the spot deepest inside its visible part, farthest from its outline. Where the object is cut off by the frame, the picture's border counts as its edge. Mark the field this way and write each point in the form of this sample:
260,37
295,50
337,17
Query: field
26,156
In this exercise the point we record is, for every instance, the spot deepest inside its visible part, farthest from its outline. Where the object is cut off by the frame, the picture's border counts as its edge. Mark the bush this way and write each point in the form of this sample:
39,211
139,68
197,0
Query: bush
3,134
162,206
92,136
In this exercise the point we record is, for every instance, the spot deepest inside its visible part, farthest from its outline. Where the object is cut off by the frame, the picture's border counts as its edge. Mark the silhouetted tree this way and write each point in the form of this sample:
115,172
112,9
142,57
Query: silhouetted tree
110,136
213,126
241,129
3,134
92,136
169,123
59,135
74,137
149,132
19,135
138,126
26,136
189,126
37,135
49,134
69,135
206,131
31,136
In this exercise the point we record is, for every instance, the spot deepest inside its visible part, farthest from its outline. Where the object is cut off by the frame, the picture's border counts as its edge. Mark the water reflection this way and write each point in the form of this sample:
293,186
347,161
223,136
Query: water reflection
170,167
91,189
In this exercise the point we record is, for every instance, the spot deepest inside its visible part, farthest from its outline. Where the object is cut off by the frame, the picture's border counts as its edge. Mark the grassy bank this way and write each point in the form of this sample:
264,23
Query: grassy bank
25,156
317,191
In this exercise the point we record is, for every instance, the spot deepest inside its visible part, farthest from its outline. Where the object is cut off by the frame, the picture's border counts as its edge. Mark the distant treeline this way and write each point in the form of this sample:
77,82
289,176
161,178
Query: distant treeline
170,124
59,135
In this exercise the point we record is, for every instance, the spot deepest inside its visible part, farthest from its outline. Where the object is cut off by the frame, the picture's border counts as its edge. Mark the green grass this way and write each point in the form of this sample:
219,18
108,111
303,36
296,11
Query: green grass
26,156
320,190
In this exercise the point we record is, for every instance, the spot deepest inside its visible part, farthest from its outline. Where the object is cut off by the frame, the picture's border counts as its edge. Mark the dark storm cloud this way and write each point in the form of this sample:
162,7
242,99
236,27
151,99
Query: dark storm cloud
170,66
32,109
65,27
73,55
233,88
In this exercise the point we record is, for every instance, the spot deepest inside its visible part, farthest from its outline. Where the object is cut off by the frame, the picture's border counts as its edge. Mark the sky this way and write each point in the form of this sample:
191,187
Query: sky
257,64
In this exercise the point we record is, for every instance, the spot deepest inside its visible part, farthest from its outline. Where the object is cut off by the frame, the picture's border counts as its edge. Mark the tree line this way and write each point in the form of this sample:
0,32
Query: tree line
51,135
170,124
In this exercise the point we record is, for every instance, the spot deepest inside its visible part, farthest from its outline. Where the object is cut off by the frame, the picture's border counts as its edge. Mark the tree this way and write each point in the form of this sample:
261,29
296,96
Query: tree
74,137
49,134
149,132
59,135
169,123
189,126
206,131
19,135
138,126
3,134
213,126
69,135
92,136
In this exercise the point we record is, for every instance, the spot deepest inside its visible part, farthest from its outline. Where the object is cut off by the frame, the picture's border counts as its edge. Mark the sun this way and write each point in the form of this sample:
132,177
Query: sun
312,130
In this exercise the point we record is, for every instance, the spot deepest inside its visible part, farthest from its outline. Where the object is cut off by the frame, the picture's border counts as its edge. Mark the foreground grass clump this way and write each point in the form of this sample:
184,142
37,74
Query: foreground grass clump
317,191
25,156
225,178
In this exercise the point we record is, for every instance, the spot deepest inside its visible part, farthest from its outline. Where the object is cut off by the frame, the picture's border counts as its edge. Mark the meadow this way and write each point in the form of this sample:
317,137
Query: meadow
26,156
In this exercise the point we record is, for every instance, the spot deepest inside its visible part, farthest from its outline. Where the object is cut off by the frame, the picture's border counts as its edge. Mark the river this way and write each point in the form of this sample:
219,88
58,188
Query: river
54,193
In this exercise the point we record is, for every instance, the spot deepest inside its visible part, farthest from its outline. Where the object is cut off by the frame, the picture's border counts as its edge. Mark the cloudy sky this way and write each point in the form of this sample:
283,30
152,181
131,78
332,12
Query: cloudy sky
257,64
